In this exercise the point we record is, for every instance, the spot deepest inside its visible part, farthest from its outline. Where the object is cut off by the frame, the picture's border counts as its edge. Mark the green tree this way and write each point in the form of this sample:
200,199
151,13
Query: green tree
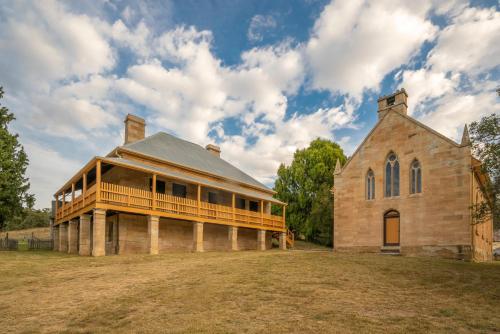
30,218
14,185
306,186
485,138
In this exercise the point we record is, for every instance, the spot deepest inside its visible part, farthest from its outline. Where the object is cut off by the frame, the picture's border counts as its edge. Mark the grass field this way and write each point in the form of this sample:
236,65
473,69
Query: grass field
246,292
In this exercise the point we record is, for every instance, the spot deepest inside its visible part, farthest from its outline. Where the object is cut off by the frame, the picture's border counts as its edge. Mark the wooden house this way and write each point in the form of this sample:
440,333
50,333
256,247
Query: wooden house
161,193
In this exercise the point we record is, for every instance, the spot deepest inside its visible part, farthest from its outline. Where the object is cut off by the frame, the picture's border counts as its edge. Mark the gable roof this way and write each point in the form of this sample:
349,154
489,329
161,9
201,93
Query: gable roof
171,149
411,119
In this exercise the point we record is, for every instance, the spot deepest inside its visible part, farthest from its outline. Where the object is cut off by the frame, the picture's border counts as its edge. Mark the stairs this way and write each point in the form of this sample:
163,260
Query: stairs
290,238
390,250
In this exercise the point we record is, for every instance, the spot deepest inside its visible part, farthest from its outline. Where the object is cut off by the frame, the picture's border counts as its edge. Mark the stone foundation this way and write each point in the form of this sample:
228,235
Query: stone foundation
179,235
458,252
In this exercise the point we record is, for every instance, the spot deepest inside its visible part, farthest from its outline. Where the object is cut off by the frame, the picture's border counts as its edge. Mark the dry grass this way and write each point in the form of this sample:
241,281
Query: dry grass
246,292
39,232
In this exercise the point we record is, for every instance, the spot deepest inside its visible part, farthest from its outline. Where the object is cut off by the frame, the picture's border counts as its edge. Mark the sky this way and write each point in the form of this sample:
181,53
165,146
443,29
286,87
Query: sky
260,79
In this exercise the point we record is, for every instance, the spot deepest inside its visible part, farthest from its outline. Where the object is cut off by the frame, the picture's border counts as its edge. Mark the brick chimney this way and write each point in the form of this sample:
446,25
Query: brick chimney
135,128
398,101
215,150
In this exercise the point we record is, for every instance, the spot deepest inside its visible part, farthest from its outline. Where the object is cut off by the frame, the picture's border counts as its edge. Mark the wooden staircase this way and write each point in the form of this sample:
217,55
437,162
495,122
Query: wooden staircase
290,238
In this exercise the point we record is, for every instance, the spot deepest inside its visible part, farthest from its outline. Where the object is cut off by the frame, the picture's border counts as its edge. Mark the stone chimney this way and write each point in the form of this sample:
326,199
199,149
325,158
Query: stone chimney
398,101
215,150
135,128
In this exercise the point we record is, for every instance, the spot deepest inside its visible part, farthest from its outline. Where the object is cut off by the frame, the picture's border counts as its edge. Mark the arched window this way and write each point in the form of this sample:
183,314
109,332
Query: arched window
392,176
370,185
415,177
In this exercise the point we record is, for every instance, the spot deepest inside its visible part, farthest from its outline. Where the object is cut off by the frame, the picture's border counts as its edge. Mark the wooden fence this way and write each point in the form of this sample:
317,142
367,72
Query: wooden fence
8,244
38,244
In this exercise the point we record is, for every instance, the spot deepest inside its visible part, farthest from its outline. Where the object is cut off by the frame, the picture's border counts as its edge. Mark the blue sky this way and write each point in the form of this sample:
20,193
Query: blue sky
258,78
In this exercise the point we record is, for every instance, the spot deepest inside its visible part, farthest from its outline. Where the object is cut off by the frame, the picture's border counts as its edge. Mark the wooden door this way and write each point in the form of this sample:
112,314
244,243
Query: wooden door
391,229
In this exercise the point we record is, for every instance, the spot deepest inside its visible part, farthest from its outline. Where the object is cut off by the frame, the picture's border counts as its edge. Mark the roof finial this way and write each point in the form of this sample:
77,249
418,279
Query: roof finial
338,168
465,137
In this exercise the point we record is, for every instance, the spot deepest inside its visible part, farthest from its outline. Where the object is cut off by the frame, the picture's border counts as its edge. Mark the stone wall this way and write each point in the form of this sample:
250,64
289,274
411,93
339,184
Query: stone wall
177,235
438,217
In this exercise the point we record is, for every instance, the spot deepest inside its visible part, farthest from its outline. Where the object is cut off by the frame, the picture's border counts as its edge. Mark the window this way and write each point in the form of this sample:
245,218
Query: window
179,190
415,178
240,203
370,185
212,198
391,100
160,186
254,206
392,176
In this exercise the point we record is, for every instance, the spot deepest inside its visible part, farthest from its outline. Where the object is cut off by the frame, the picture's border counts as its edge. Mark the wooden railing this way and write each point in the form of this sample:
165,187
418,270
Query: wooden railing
78,204
143,199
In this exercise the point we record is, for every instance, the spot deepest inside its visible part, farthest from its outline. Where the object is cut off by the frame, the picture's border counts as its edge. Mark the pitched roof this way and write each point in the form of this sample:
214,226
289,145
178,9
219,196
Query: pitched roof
192,178
411,119
169,148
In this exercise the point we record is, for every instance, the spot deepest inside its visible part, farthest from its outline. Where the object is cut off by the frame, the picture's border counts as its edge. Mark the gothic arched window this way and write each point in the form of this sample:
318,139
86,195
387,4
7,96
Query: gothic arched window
370,185
392,176
415,177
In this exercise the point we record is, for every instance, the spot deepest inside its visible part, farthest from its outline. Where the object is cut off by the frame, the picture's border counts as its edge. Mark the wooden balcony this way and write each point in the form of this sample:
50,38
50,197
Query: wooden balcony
139,201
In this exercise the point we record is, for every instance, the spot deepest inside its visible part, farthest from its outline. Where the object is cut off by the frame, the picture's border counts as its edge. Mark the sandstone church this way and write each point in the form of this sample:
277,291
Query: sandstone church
408,189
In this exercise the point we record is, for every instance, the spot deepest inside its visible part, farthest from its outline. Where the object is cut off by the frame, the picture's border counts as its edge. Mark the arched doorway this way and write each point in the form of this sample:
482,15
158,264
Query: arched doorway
391,228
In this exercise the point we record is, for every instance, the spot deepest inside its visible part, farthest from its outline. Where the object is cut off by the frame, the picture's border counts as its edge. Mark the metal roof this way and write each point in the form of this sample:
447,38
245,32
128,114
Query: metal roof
192,178
181,152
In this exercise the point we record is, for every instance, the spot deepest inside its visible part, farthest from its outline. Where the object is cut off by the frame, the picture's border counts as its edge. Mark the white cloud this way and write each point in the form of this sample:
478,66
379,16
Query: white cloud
424,85
455,110
454,86
59,69
48,43
356,43
259,25
48,170
471,43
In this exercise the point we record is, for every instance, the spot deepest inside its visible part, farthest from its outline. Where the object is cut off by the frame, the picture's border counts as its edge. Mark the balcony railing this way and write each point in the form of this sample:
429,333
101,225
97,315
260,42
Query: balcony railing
129,197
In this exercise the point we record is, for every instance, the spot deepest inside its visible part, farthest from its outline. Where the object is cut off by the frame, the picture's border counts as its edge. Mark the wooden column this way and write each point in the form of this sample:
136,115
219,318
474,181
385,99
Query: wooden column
57,205
199,199
261,212
72,195
98,181
284,219
153,203
84,187
234,209
63,202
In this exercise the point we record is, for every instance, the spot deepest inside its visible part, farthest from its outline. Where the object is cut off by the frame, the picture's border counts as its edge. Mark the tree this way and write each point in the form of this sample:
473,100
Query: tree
30,218
14,185
485,138
306,186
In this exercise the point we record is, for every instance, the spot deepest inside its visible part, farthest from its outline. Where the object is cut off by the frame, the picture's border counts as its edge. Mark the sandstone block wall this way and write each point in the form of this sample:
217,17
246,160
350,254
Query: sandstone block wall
439,216
177,235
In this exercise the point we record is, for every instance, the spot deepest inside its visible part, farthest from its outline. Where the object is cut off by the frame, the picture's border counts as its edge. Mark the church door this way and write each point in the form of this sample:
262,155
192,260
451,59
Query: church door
391,228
